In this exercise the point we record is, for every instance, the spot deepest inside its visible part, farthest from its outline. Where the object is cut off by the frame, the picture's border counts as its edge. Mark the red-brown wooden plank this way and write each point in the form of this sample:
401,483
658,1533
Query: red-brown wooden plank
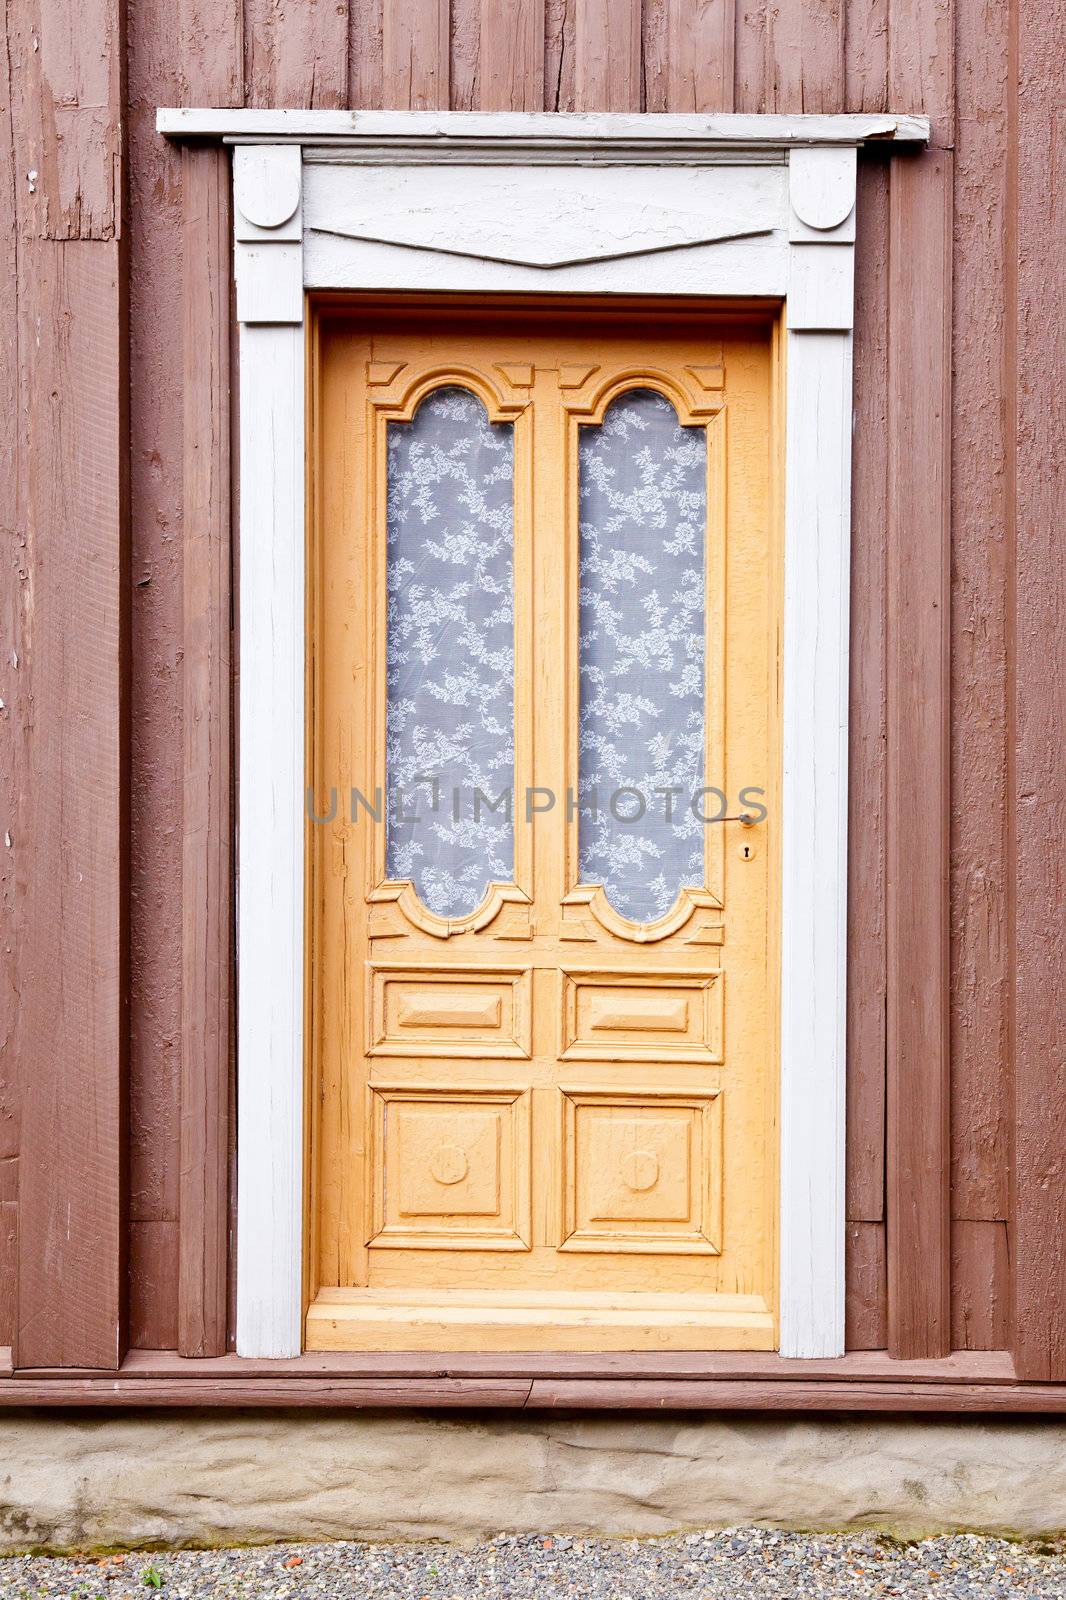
71,1225
364,54
980,824
867,779
865,1298
980,1285
14,722
866,56
207,941
921,62
918,705
1037,229
805,55
607,67
699,55
297,55
559,53
511,56
153,1315
72,470
415,55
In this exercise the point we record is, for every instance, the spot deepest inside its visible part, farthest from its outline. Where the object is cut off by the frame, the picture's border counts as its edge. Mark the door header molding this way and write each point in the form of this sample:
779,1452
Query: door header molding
547,138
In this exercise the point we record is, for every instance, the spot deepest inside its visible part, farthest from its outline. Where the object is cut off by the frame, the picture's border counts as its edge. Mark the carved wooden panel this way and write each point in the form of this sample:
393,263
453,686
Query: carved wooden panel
642,1172
449,1169
615,1016
545,1021
457,1011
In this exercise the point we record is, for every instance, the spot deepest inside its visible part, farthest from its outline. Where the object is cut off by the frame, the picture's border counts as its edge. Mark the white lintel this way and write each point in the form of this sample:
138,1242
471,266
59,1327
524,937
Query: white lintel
574,135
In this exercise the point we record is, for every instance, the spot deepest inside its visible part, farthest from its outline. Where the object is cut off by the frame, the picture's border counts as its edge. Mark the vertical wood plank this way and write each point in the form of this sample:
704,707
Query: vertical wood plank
980,1285
980,1065
699,60
805,55
865,1326
71,1295
296,52
1038,290
813,845
270,975
921,62
867,775
72,474
918,706
364,54
415,55
750,57
559,53
512,55
14,724
207,937
607,64
465,44
866,55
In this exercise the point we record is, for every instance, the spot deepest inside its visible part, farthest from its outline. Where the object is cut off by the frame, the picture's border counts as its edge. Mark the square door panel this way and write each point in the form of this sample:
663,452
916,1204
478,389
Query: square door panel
458,1011
449,1168
642,1172
617,1016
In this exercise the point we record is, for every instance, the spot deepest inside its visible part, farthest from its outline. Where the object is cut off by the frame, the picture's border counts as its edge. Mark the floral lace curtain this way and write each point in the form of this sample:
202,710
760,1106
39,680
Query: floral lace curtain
450,650
643,516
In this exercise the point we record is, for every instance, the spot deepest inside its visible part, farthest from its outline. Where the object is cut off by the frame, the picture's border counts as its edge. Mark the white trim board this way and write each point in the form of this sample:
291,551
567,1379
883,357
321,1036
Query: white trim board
730,206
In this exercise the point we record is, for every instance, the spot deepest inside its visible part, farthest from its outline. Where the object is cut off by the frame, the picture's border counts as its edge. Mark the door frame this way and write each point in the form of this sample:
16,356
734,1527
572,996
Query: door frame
733,207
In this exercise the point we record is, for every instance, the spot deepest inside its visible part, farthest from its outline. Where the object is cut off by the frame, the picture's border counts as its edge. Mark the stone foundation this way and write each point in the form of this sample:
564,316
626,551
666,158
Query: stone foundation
77,1481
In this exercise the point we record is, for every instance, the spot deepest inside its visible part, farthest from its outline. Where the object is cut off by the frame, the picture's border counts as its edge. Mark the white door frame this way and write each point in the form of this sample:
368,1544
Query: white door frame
734,206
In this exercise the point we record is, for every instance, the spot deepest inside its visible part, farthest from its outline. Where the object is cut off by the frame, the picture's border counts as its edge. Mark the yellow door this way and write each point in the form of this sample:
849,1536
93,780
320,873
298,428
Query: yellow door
542,829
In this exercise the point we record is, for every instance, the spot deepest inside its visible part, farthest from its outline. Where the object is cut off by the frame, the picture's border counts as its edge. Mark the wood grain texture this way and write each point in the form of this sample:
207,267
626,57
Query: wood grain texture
980,1285
207,928
200,42
1038,622
866,55
15,593
972,1368
65,83
921,62
153,1314
804,43
918,711
71,1225
559,55
511,56
699,46
364,54
788,1395
865,1325
296,53
867,775
607,55
981,551
415,55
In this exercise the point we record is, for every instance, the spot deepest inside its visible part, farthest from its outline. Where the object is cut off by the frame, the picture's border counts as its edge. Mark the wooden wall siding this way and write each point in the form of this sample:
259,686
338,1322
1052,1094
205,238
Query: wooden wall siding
664,55
918,615
64,88
1038,670
14,716
980,1079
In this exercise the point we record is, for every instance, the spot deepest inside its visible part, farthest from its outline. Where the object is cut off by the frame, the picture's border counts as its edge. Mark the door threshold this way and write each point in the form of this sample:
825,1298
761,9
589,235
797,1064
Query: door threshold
462,1320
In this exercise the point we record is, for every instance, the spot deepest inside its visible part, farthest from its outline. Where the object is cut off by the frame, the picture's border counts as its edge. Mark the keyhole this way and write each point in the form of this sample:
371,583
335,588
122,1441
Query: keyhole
746,852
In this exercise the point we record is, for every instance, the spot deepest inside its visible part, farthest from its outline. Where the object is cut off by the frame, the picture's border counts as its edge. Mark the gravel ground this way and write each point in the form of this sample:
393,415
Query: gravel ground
737,1564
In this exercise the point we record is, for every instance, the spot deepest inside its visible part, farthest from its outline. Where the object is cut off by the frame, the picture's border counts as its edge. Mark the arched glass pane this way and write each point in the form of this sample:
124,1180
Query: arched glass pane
643,517
450,714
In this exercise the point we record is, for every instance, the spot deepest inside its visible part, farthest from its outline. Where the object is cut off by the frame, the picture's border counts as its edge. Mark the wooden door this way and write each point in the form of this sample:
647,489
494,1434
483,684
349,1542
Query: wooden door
544,564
